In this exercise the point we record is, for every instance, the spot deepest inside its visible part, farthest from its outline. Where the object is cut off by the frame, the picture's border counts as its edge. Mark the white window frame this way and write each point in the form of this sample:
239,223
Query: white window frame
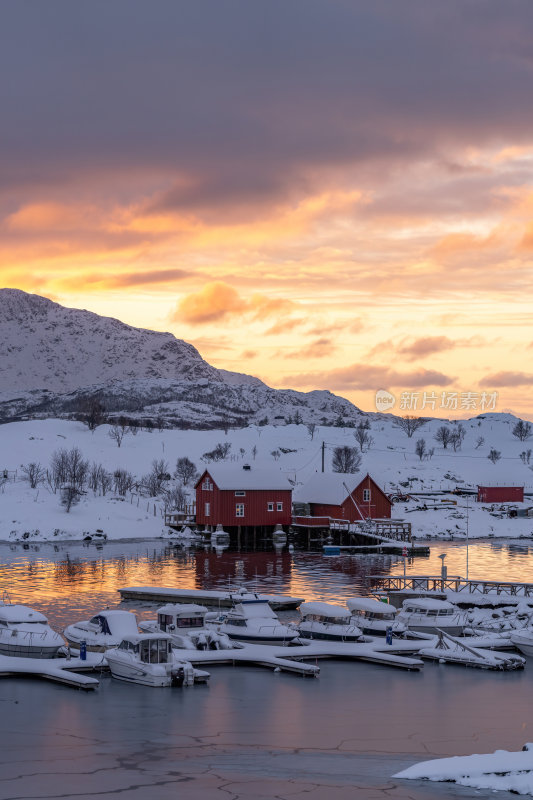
279,506
207,485
207,509
270,506
239,509
366,495
240,494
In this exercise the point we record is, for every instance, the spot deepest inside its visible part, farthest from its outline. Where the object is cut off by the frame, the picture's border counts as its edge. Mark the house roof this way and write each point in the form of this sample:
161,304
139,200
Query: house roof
327,488
232,477
331,488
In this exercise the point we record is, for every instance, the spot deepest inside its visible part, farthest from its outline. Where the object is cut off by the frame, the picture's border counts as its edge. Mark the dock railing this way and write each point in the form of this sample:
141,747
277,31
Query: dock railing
453,583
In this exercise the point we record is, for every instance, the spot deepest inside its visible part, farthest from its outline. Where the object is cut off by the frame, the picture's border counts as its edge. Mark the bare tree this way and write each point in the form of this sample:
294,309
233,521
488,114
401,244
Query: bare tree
106,481
480,441
69,496
526,456
175,499
94,413
457,437
33,473
346,459
185,470
123,481
117,434
409,424
363,438
219,453
522,430
275,454
254,451
494,455
94,477
430,453
420,448
68,467
443,436
311,428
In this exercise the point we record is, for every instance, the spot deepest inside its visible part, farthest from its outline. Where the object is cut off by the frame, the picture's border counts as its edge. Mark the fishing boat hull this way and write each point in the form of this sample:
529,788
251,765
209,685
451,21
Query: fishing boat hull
30,651
523,641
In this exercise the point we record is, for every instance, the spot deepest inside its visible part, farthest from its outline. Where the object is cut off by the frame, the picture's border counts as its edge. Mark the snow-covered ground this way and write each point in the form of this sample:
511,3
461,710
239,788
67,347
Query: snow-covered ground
289,449
502,770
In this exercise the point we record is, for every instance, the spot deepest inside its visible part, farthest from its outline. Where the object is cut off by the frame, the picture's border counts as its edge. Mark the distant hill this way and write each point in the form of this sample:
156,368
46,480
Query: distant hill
54,361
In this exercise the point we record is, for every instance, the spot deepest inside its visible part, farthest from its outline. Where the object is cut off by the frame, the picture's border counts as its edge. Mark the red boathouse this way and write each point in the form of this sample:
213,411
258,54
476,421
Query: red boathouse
243,497
500,494
333,494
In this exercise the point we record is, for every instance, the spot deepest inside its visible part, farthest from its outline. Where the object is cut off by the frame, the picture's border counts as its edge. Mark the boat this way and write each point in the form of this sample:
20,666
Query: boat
26,633
428,615
150,660
522,639
328,621
447,649
106,629
185,624
251,619
374,617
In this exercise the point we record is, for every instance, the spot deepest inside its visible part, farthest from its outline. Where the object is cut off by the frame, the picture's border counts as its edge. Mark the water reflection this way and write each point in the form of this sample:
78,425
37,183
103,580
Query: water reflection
69,582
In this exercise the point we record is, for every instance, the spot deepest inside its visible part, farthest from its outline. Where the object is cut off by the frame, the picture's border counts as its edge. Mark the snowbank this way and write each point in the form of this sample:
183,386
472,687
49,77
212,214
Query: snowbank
501,770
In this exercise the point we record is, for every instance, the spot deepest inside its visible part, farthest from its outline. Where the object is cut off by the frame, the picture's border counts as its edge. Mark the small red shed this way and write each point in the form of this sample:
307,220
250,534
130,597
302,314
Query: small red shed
332,494
500,494
243,497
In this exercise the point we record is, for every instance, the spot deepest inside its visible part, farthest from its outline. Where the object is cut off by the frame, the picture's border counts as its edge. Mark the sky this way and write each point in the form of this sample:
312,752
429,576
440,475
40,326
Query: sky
327,194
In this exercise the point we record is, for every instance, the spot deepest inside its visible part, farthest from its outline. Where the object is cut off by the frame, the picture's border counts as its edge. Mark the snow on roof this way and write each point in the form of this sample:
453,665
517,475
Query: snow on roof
18,613
121,623
324,609
427,603
231,477
327,487
369,604
182,609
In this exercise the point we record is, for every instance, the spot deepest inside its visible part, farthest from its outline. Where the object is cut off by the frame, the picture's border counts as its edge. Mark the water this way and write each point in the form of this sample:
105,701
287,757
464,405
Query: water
251,733
70,581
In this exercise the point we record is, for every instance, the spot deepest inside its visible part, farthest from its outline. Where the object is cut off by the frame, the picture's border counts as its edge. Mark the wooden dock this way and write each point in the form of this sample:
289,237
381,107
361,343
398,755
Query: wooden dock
159,594
60,670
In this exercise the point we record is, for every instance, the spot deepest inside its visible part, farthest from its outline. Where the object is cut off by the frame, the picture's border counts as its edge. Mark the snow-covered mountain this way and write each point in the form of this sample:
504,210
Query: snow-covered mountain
54,360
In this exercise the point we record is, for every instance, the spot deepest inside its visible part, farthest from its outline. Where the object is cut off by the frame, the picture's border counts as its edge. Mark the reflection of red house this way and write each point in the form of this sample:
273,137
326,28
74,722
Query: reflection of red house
500,494
333,495
243,497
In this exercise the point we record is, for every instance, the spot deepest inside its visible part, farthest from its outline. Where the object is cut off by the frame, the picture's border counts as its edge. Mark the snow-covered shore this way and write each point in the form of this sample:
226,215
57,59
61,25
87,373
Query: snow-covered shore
291,449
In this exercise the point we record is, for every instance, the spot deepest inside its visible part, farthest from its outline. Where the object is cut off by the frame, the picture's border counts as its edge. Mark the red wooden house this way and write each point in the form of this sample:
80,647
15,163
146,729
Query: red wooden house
500,494
237,497
344,496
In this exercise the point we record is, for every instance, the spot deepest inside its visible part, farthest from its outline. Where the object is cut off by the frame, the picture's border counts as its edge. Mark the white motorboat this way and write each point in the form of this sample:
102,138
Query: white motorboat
428,615
26,633
523,640
106,629
327,621
374,617
251,620
149,659
185,624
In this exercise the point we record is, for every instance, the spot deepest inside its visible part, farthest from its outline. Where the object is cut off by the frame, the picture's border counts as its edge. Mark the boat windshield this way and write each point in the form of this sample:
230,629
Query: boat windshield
155,651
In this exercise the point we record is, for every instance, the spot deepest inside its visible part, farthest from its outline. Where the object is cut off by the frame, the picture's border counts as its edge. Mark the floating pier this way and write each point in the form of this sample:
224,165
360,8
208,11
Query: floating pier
291,658
60,670
158,594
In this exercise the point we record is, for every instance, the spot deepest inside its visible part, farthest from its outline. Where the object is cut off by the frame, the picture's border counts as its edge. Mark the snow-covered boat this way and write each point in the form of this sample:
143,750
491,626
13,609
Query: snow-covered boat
447,649
428,615
374,617
327,621
523,640
185,624
26,633
251,620
149,659
106,629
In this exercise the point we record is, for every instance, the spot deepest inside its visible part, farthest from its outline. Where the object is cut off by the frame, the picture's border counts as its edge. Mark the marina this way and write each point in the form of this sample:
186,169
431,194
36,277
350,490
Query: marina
215,599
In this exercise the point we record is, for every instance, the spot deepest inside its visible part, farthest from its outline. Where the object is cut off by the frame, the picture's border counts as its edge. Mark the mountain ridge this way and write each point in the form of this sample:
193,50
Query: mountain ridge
54,360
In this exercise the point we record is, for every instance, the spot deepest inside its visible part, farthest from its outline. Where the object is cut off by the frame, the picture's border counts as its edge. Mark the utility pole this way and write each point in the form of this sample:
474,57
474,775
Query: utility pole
323,454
